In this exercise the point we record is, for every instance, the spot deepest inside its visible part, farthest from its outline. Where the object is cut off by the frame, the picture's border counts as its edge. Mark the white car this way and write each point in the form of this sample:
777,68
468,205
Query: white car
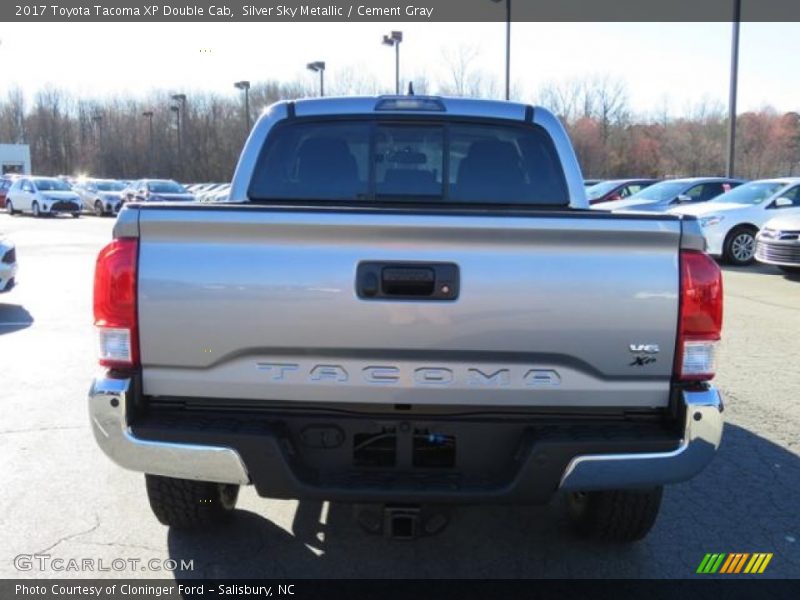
778,243
42,196
8,265
731,221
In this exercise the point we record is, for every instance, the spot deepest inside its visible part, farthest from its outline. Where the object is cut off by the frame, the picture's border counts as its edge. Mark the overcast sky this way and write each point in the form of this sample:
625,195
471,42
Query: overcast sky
672,64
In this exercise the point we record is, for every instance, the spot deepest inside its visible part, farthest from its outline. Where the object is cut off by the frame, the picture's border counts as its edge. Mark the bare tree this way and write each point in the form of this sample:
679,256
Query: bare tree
463,79
355,81
610,102
12,116
422,85
67,137
564,98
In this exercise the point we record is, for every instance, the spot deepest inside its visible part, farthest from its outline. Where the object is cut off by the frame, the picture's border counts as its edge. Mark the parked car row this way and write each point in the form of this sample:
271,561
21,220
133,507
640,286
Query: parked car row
40,196
663,195
731,213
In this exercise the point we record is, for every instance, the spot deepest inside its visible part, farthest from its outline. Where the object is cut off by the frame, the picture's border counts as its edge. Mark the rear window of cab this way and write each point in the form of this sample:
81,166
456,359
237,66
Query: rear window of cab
387,161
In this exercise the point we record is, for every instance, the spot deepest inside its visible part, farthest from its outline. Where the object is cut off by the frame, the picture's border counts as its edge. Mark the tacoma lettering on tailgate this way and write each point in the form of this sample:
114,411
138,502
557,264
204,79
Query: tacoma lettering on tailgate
425,376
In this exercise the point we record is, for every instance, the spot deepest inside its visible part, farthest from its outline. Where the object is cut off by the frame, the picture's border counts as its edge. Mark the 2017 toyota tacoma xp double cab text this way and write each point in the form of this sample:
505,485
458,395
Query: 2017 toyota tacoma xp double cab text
407,304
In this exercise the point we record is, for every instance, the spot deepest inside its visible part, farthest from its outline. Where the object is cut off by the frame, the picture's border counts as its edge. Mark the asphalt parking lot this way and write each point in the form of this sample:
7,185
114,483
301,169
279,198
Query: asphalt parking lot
63,498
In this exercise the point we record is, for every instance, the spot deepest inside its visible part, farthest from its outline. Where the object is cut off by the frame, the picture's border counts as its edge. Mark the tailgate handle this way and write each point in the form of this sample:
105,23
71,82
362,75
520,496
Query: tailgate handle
409,281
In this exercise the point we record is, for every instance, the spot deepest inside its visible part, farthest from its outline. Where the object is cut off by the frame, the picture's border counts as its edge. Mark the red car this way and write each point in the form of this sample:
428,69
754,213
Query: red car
5,184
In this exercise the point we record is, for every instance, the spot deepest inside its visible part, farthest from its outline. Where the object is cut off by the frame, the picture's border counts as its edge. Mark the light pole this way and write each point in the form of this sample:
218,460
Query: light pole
318,66
737,13
97,119
182,99
508,46
148,114
182,118
245,86
177,111
394,39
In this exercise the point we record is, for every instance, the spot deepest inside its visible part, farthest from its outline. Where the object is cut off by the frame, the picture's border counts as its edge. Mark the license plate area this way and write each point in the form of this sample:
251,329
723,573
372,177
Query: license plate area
388,448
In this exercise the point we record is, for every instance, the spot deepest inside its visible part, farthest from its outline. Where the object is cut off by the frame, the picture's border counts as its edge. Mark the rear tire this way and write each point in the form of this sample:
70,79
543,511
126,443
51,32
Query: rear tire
10,208
614,515
75,215
186,504
740,246
790,270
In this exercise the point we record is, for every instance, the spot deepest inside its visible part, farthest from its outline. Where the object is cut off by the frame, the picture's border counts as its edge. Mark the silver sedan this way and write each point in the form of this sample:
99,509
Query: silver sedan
101,196
778,243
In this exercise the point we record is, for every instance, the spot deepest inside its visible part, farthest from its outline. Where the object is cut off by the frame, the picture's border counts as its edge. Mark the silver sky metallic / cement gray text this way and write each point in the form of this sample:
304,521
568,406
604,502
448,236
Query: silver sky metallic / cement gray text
292,12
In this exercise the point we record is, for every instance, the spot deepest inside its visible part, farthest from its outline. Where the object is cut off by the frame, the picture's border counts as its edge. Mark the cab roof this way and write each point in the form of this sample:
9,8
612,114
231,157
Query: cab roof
463,107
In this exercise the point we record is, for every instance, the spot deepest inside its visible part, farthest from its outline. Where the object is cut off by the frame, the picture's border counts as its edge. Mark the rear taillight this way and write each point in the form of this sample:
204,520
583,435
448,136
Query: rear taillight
700,323
115,304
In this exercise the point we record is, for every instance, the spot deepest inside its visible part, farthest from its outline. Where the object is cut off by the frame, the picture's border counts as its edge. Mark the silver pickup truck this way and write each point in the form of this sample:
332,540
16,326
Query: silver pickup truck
407,303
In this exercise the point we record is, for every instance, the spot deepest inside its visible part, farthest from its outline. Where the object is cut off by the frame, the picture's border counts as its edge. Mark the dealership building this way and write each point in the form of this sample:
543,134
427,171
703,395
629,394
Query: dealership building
15,158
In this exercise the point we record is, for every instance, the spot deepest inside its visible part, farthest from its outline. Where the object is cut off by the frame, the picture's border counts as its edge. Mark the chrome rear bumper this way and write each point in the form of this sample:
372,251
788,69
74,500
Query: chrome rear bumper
107,411
703,426
702,434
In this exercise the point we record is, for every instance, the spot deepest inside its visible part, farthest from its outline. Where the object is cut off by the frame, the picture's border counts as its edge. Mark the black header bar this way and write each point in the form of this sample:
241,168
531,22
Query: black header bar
395,10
